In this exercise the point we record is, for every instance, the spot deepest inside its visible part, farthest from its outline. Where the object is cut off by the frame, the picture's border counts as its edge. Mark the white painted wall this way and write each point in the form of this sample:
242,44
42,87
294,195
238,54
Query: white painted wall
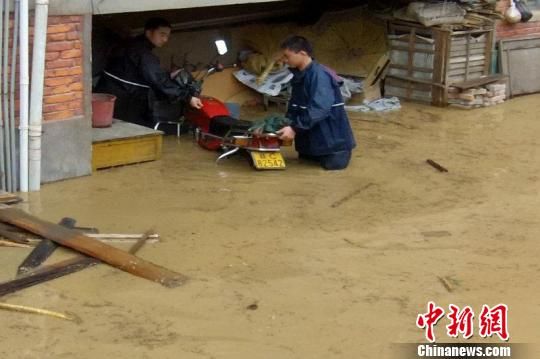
98,7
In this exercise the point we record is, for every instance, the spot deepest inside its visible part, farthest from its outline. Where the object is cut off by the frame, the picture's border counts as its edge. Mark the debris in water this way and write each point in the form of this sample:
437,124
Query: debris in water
25,309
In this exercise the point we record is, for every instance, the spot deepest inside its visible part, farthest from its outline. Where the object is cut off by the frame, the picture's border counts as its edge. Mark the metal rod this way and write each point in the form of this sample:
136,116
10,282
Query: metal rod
2,132
24,82
13,151
5,90
228,153
36,94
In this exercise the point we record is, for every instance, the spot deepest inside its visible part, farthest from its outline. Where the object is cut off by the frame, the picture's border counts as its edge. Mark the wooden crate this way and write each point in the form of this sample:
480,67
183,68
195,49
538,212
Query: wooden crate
424,61
124,143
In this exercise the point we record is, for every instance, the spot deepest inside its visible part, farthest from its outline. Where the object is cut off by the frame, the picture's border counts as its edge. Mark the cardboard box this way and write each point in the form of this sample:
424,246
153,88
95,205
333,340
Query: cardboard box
372,83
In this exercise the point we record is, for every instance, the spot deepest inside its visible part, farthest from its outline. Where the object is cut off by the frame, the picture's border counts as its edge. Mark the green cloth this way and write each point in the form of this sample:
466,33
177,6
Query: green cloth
270,124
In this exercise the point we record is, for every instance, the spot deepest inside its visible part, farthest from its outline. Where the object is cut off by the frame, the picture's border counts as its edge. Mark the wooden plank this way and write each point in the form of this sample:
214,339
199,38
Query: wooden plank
474,46
475,32
471,70
406,85
79,242
10,232
478,82
462,65
9,198
5,243
468,56
43,250
56,270
408,90
415,69
124,152
462,43
446,60
481,51
438,93
489,52
414,80
415,49
464,59
457,79
46,273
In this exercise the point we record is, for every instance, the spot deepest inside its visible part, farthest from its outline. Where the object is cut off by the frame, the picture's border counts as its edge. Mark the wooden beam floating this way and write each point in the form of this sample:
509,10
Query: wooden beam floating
56,270
43,250
75,240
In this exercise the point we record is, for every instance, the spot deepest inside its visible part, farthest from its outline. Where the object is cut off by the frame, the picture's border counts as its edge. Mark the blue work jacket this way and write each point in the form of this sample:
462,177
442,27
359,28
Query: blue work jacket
317,113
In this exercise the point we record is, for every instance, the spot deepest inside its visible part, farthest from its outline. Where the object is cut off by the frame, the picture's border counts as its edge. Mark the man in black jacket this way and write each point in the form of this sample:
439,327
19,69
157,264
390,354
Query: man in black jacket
135,77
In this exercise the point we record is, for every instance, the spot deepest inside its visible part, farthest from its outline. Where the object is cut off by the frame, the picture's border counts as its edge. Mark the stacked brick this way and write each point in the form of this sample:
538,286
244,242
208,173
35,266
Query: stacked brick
484,96
63,92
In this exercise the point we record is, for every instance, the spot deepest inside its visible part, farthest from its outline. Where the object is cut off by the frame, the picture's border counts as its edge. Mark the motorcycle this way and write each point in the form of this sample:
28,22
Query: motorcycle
215,129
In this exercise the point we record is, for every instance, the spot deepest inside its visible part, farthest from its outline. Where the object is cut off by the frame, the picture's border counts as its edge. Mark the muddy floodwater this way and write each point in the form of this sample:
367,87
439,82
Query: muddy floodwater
301,263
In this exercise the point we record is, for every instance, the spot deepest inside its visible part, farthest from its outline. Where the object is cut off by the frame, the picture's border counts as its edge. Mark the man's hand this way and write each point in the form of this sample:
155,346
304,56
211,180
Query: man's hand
175,73
195,102
286,133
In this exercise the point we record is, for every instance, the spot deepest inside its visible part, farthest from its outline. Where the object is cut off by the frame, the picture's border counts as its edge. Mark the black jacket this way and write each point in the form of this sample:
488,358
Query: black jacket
134,75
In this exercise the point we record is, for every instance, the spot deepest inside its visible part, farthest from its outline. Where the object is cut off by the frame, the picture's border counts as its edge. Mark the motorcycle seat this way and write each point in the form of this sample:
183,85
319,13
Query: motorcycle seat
227,125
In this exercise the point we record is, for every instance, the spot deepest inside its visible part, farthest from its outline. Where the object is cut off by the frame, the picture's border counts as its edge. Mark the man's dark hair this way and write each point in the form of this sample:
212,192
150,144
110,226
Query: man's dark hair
155,23
297,43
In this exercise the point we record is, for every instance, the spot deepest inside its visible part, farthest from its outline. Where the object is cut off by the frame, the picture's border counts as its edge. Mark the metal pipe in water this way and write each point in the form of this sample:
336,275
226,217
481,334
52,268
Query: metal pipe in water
2,118
13,151
24,85
5,98
36,94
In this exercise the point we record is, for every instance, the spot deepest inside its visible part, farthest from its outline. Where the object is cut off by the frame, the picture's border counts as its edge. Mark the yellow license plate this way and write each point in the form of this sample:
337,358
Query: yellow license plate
268,160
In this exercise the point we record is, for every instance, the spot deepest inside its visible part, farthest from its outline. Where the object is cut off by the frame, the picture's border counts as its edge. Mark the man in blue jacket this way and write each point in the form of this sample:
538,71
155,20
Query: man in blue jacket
319,123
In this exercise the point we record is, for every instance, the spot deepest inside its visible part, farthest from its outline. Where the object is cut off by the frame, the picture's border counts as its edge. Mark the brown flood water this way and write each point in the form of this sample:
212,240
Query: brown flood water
338,264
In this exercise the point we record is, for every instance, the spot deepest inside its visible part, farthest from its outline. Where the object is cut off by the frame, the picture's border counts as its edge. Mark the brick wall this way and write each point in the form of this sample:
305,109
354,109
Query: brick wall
63,92
63,85
522,29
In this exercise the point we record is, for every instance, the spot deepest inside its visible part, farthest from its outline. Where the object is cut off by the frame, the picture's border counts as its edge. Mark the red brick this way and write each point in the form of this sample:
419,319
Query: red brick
76,86
55,29
77,70
51,56
59,81
61,98
522,31
60,46
57,90
59,115
71,54
73,105
61,63
57,37
54,20
73,35
55,107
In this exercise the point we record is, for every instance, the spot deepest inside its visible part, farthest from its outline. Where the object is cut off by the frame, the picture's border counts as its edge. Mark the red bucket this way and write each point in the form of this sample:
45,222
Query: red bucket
102,109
